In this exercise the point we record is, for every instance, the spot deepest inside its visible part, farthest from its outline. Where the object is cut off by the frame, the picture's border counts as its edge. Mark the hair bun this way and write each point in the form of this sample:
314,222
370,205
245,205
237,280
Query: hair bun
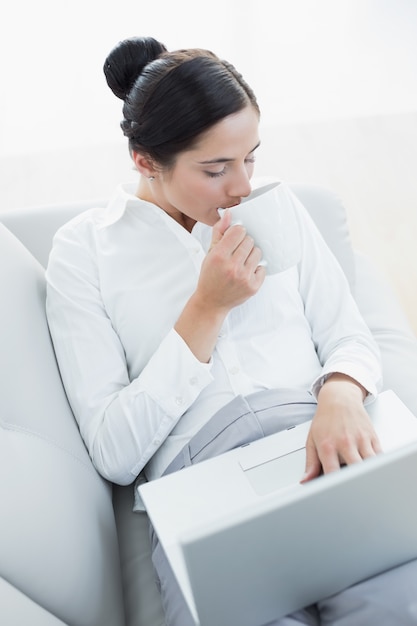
126,61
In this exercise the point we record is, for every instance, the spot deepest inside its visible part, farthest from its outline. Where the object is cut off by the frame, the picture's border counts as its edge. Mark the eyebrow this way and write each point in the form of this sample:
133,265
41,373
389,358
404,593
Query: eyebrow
225,159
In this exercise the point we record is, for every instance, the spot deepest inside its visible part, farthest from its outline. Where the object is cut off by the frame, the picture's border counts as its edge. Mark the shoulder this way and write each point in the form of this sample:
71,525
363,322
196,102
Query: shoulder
80,228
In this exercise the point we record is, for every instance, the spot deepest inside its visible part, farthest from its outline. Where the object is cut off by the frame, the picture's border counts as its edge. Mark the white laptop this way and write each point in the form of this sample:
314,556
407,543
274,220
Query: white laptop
248,543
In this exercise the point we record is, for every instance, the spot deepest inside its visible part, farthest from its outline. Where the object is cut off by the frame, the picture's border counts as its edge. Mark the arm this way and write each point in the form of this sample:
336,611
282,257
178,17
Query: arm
341,431
230,274
123,419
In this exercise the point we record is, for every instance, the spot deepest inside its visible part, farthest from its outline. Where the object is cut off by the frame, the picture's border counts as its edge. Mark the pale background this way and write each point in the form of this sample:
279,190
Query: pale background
336,81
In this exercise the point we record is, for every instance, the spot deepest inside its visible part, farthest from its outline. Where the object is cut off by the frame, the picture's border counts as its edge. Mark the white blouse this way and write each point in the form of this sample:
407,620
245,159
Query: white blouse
118,279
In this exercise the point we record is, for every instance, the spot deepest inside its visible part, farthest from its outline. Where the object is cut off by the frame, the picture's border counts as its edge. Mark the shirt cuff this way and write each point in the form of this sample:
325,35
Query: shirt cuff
357,373
174,377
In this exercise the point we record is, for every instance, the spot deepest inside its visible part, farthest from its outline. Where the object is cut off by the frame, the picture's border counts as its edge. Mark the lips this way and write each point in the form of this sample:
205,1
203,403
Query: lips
229,206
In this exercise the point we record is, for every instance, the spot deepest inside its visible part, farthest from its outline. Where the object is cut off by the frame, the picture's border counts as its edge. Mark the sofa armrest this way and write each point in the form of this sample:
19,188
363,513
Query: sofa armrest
389,325
17,609
58,542
36,226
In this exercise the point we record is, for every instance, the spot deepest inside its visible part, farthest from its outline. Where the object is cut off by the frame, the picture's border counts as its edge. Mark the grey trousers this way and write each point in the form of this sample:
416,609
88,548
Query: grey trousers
389,599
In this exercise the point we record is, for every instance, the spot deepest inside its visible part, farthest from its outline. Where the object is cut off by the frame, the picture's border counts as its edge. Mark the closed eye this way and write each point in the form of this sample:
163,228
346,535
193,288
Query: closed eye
250,159
216,174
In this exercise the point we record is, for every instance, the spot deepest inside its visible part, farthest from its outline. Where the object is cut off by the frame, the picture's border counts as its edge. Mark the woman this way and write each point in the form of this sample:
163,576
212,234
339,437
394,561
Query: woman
164,321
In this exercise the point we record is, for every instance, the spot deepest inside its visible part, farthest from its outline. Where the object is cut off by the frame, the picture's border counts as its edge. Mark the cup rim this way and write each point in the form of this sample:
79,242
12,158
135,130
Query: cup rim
259,191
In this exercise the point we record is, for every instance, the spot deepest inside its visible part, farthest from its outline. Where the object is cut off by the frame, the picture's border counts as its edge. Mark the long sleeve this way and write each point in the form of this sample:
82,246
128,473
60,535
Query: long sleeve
123,418
342,340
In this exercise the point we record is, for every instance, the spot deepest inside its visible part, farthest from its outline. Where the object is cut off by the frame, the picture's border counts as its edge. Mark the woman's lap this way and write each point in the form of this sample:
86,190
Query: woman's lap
244,420
386,600
389,599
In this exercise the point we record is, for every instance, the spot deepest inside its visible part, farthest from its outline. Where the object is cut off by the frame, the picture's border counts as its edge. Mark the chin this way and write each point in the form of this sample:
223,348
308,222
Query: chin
210,219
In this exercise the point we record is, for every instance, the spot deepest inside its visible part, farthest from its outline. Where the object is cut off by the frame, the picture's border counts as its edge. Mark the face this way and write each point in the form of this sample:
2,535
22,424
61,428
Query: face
215,173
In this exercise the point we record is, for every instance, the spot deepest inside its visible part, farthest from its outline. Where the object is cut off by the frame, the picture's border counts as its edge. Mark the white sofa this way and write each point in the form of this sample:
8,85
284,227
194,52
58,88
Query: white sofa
71,550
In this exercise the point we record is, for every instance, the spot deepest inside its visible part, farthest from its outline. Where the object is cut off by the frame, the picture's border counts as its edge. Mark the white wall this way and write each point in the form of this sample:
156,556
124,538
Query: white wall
306,59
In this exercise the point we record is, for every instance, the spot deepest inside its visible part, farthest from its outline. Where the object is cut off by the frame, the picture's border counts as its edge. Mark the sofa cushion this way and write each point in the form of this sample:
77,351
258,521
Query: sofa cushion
329,215
18,609
36,226
58,544
397,342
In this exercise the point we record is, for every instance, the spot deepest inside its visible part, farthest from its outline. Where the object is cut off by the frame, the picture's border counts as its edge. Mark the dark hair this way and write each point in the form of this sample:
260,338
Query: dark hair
170,98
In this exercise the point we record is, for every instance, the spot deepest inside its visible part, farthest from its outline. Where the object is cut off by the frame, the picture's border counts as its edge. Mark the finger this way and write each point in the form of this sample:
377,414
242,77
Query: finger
260,270
220,227
370,448
367,445
313,465
255,265
229,241
329,456
376,444
350,457
330,462
254,258
244,248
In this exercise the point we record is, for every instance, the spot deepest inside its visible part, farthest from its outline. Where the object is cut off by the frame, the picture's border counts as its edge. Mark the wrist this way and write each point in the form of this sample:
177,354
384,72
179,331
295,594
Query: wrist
205,309
199,325
343,385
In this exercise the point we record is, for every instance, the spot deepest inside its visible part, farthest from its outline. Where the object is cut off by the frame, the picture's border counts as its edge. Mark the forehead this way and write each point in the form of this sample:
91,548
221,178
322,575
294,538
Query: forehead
232,137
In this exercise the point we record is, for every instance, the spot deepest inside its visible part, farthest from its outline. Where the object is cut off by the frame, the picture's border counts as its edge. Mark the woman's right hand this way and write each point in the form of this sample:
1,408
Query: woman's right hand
230,273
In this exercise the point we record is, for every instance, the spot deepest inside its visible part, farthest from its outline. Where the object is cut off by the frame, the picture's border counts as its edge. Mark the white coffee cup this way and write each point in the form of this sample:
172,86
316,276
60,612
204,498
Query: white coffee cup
268,214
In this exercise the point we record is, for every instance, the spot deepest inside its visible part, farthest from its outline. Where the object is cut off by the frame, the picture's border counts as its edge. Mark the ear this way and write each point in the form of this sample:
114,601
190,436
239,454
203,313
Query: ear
143,164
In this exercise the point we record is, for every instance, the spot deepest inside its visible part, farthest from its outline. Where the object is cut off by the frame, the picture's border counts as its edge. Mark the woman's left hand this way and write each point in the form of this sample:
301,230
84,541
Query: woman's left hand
341,431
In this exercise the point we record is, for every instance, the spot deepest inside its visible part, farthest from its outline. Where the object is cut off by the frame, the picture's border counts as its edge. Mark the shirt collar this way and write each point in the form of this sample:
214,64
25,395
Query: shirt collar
123,197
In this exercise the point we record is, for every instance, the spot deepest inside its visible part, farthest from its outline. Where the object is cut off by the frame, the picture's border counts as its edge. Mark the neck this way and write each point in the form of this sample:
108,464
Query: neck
145,192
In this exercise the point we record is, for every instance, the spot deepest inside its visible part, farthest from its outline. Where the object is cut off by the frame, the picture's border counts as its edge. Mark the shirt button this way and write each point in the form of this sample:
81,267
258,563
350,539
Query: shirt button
234,370
179,400
193,380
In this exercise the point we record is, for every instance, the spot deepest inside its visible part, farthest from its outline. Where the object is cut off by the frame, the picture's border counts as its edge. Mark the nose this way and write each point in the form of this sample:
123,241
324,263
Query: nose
239,185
